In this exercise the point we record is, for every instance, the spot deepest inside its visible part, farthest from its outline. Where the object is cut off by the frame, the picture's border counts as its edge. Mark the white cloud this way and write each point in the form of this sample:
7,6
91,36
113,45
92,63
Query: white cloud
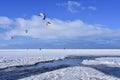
71,6
57,29
92,8
5,22
74,6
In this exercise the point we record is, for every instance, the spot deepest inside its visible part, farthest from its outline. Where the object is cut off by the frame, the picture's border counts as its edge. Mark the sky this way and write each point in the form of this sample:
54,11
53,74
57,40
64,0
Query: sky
75,24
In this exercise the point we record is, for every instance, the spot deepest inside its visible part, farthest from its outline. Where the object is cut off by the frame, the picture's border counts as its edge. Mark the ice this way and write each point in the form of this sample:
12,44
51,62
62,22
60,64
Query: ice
68,64
7,62
108,61
72,73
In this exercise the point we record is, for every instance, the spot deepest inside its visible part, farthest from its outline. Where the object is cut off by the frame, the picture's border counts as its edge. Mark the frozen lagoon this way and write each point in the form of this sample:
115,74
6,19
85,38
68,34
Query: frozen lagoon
52,64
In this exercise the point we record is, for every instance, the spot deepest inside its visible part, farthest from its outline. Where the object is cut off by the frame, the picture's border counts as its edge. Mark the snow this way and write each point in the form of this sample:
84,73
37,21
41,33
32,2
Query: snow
20,53
108,61
7,62
72,73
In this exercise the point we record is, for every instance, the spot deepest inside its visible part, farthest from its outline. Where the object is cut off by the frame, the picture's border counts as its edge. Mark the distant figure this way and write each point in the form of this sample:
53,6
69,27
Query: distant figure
40,48
64,48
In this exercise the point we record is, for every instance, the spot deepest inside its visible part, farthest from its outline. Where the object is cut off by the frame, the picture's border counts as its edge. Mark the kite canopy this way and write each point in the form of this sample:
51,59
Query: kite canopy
26,31
12,37
47,23
43,16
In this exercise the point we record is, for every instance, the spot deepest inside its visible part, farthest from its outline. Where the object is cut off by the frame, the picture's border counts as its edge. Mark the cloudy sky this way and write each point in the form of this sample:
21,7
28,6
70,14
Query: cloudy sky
74,24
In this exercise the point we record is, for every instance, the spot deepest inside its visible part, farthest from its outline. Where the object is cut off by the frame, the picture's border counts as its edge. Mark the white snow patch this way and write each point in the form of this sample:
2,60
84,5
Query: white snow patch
72,73
108,61
7,62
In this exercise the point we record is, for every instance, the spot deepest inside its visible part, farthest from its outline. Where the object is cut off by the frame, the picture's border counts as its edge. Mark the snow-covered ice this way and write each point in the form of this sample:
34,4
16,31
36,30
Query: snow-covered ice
72,73
108,61
7,62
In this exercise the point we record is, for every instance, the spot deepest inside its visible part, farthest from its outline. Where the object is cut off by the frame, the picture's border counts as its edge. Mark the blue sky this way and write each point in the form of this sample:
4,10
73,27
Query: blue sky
74,24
